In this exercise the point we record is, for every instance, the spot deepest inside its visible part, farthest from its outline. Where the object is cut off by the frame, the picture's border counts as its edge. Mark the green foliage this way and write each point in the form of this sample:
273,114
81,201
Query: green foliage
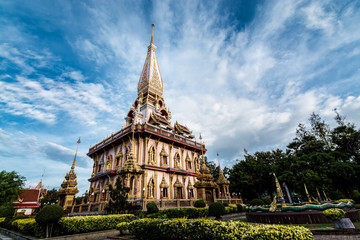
7,210
356,196
257,202
346,200
319,156
334,213
197,229
241,207
25,226
151,208
10,185
48,217
51,197
83,197
216,209
225,204
49,214
189,212
71,225
266,200
199,203
118,197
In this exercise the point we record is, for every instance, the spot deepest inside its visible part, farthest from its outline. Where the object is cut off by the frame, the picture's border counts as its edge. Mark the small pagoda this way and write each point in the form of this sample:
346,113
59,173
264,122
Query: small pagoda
223,184
68,187
205,185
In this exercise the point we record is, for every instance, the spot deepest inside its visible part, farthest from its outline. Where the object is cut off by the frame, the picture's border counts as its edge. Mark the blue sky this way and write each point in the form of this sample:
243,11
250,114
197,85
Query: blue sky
243,73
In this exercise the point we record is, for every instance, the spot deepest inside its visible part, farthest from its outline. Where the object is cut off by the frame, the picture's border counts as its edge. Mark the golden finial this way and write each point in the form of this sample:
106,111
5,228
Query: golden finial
73,165
152,34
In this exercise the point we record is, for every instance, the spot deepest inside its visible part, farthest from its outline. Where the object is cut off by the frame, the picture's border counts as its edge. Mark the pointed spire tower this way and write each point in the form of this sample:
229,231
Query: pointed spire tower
149,105
68,187
150,81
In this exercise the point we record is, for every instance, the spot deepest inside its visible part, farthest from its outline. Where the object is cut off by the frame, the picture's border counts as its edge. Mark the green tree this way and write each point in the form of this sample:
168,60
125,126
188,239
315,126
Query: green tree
10,185
84,197
51,197
118,197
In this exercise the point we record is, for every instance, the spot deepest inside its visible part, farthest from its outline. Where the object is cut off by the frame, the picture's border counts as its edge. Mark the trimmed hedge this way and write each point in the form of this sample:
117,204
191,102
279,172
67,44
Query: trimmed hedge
346,200
216,209
334,213
25,226
241,207
209,229
257,202
188,212
79,224
200,203
152,208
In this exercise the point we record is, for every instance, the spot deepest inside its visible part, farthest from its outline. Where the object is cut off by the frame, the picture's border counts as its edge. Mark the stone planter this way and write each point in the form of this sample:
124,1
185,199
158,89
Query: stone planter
344,223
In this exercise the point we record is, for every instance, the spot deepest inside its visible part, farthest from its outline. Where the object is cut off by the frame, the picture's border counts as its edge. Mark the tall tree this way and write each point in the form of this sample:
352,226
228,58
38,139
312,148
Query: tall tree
118,197
10,185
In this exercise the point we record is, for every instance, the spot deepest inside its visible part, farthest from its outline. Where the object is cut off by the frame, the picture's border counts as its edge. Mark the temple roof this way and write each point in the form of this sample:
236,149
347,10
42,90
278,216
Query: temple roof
181,129
150,79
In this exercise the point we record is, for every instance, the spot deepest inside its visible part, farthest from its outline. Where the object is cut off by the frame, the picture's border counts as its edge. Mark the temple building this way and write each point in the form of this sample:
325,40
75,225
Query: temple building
158,161
155,159
29,199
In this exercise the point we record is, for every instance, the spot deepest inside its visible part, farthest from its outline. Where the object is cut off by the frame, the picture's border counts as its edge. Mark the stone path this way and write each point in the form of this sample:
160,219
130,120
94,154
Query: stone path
338,237
3,237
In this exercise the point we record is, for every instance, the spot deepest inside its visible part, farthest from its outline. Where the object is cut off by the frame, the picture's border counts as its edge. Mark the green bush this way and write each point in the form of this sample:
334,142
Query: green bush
48,217
188,212
151,207
257,202
356,196
266,200
225,204
334,213
49,214
346,200
25,226
81,224
233,208
216,209
199,203
199,229
241,207
7,211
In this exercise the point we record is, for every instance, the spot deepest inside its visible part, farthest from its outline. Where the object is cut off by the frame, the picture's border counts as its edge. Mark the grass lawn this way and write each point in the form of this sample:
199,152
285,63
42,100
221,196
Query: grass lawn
309,226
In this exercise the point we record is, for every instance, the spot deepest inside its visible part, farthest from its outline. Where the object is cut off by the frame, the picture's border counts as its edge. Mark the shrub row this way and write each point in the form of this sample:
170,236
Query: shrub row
79,224
188,212
25,226
209,229
334,213
346,200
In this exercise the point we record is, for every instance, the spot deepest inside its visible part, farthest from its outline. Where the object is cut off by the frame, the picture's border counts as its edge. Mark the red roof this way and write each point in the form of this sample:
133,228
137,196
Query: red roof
29,195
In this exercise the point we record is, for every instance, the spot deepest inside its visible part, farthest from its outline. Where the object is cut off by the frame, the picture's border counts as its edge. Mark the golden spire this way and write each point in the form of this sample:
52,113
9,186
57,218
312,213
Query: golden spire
73,165
152,34
40,186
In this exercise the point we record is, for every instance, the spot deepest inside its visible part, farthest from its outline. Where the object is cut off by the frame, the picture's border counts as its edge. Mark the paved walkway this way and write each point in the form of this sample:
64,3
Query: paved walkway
338,237
3,237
